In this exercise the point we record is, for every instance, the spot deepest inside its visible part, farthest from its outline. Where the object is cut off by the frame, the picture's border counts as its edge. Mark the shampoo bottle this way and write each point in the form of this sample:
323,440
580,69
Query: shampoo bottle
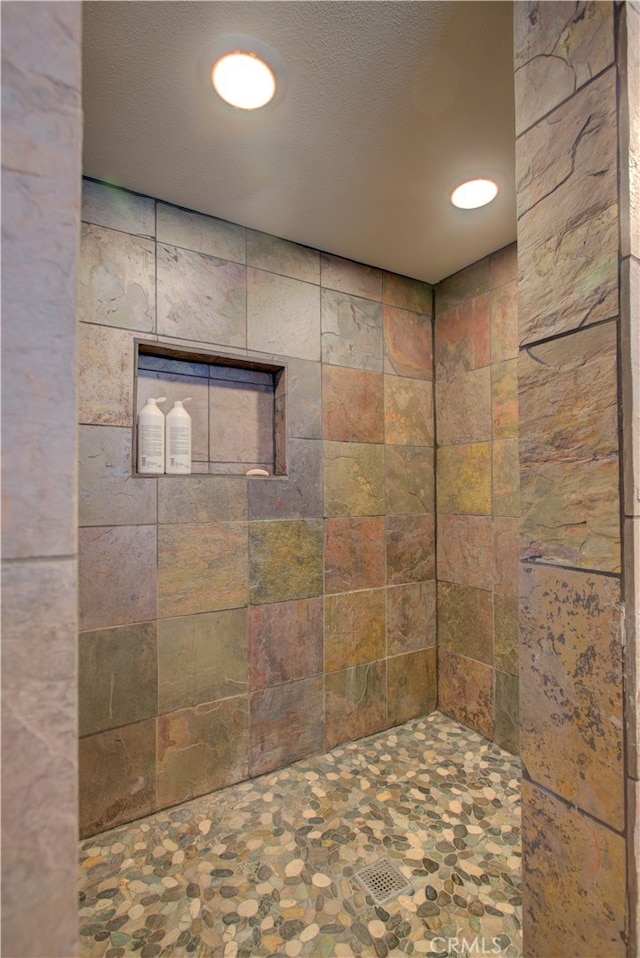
151,438
178,440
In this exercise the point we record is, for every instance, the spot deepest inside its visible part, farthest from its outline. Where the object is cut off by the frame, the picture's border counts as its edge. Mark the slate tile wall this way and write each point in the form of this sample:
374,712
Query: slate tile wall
232,625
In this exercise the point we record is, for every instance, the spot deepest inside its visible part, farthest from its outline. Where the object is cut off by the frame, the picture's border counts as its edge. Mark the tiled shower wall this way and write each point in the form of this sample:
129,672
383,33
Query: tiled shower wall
476,402
232,625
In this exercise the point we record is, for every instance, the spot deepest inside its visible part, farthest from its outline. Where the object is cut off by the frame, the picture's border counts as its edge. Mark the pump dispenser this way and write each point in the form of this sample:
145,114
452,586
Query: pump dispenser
151,438
178,442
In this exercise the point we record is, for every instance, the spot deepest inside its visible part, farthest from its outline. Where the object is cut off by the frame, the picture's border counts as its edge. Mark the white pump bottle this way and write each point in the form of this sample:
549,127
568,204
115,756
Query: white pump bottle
151,438
178,441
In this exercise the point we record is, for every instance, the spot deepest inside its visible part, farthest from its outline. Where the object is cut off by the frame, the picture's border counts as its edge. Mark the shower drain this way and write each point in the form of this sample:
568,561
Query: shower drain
383,881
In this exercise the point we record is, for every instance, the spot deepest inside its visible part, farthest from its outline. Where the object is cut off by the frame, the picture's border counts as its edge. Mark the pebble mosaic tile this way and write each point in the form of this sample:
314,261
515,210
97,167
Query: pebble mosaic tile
269,867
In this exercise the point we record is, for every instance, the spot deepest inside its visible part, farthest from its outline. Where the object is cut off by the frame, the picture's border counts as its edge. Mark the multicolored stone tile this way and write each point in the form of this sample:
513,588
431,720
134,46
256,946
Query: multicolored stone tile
116,279
202,658
285,642
299,494
410,549
573,879
571,702
304,405
505,633
241,423
408,411
506,477
463,479
630,375
465,550
200,297
504,399
408,349
202,499
280,728
349,277
407,293
201,749
465,691
504,322
506,555
462,336
463,407
465,285
202,567
355,702
201,234
117,677
108,494
409,479
118,209
174,387
503,268
465,621
354,630
507,718
353,479
412,685
354,554
283,315
105,375
352,405
280,256
351,331
411,617
116,575
285,560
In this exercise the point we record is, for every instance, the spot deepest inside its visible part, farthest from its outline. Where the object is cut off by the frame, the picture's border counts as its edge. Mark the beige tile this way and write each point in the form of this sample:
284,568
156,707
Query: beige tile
349,277
283,315
118,209
116,279
280,256
202,234
105,384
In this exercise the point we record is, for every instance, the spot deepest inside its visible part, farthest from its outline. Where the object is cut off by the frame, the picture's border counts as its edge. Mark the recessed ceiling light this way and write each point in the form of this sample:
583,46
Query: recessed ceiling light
243,80
474,193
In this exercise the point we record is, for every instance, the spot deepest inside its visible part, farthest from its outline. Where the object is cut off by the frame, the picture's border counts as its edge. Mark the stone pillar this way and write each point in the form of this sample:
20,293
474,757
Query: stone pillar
572,315
41,138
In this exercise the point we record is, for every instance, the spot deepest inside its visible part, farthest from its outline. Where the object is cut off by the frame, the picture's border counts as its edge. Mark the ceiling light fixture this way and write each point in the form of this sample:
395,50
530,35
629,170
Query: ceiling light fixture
243,72
474,193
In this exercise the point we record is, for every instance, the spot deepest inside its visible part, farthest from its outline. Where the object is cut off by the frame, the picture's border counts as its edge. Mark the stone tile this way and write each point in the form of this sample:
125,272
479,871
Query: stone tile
408,410
557,50
465,550
303,399
505,633
412,685
630,138
462,337
201,749
354,631
352,405
280,728
201,298
108,492
117,677
507,728
407,343
463,407
202,499
506,555
117,776
353,479
201,234
116,279
116,576
631,598
406,293
465,691
283,315
285,560
351,331
569,451
118,209
504,399
504,322
573,879
506,477
465,621
411,617
296,495
410,549
173,387
354,554
503,267
105,376
465,285
285,642
355,703
463,479
571,702
568,215
202,567
409,479
241,419
348,277
202,658
280,256
630,380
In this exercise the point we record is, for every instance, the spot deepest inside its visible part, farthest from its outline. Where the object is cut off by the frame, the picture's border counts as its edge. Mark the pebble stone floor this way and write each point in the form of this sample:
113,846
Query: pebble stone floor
267,867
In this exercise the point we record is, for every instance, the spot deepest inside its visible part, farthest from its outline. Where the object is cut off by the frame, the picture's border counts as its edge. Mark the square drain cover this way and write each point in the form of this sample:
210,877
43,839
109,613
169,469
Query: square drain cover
383,881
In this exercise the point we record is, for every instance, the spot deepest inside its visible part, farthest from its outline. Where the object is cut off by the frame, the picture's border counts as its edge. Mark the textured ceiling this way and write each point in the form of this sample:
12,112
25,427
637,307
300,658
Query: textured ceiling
388,105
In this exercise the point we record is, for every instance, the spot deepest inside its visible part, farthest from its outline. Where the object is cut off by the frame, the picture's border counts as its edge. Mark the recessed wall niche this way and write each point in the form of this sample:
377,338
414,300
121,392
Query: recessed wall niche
237,406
